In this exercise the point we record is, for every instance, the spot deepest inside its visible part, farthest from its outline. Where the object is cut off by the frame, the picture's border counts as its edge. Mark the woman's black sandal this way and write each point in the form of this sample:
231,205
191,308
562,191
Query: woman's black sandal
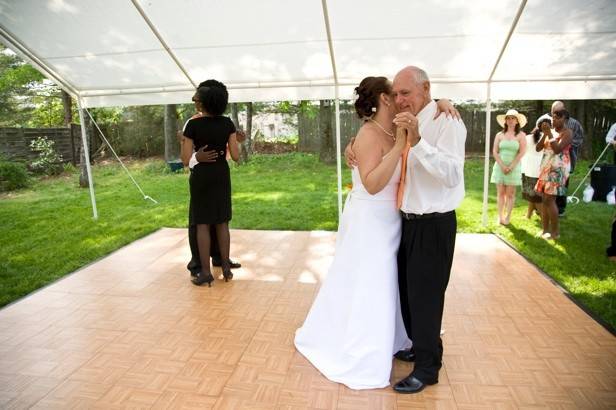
203,277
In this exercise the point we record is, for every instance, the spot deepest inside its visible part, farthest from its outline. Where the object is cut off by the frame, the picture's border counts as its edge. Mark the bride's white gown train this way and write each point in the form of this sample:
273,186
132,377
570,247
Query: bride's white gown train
354,325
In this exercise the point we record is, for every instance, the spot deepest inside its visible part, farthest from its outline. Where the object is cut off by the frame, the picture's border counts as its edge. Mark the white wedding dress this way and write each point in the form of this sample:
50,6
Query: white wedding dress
354,326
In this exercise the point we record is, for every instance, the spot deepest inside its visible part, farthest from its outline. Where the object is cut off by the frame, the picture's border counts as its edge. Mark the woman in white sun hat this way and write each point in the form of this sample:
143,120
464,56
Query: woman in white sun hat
508,150
531,165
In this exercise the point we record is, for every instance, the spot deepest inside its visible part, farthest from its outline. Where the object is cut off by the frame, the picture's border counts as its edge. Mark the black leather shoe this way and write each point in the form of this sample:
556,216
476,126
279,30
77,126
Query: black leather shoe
232,265
406,355
194,267
410,385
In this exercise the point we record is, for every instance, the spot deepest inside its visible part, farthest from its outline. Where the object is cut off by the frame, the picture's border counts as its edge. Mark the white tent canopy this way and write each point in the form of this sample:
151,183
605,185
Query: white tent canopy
132,52
122,52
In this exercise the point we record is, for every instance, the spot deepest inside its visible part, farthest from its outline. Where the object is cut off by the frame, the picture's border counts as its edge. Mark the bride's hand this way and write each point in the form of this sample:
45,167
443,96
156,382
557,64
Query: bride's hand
401,138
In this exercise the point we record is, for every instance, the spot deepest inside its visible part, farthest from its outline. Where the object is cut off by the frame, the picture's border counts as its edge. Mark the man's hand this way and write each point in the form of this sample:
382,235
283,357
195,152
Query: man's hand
206,156
240,135
407,121
445,106
349,155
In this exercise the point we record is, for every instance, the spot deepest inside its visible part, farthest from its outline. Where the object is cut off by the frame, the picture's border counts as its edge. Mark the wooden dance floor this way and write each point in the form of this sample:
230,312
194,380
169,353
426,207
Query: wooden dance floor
131,331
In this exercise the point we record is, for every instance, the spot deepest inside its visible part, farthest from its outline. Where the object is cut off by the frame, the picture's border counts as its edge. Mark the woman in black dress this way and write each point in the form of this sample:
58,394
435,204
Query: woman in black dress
210,184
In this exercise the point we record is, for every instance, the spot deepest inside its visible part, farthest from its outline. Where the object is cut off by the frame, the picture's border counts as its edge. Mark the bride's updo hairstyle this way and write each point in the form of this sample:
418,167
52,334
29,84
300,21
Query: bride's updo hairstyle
368,93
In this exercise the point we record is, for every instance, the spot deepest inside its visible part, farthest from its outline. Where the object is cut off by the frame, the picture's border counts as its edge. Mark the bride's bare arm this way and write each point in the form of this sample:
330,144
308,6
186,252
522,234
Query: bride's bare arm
375,169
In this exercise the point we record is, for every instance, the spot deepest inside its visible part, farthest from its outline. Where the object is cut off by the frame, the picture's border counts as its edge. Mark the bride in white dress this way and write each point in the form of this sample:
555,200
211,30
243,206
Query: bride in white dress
354,326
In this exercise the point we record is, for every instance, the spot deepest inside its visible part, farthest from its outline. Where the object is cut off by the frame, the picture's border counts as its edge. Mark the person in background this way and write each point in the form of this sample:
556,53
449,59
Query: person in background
508,150
577,139
531,165
610,138
555,167
203,155
611,250
210,184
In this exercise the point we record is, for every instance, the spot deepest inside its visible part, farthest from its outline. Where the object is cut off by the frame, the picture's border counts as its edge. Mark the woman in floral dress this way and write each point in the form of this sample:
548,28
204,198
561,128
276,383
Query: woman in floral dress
555,168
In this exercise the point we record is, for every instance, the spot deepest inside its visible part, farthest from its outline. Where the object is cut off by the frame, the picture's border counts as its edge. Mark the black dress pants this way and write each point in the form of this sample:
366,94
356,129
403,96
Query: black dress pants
424,265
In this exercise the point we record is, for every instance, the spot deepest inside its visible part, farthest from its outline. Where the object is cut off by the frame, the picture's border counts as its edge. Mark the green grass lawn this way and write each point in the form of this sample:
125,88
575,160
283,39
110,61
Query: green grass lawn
47,230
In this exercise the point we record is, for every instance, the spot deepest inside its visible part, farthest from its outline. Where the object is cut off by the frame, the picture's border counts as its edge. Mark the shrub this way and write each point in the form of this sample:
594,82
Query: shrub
49,161
13,175
69,168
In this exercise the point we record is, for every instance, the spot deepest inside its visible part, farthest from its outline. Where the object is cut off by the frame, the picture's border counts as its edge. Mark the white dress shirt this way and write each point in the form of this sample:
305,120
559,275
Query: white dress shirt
611,134
435,167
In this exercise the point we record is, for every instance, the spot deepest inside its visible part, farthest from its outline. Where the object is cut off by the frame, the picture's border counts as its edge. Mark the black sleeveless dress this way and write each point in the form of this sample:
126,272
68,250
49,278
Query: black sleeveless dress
210,182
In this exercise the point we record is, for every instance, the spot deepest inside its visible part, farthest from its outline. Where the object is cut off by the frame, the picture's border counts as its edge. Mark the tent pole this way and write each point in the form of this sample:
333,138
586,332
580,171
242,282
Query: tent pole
162,42
486,166
338,156
86,155
486,163
337,103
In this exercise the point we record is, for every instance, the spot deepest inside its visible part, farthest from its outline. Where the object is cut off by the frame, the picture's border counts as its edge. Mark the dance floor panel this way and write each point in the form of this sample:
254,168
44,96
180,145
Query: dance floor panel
131,331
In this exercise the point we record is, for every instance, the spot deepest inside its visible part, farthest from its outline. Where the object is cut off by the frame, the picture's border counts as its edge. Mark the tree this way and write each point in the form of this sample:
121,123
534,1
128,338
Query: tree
172,148
248,142
246,146
236,121
67,104
327,153
16,79
83,174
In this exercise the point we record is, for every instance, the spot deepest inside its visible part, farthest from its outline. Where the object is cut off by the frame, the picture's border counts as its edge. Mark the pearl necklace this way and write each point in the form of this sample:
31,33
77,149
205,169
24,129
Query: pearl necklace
391,134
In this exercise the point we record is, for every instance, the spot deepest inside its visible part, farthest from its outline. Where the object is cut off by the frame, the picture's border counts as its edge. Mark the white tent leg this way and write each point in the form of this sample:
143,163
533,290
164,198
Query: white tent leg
338,157
337,103
86,155
486,166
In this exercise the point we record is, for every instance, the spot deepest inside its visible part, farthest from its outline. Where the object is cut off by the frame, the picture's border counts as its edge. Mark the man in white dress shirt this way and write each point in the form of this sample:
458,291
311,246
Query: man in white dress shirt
433,189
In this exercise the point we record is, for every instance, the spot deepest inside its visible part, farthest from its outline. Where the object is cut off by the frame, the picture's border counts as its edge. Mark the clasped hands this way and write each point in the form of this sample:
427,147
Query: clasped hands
205,155
407,125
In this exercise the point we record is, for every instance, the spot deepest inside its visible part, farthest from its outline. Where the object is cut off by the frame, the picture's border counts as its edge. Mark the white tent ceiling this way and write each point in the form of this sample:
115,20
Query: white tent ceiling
130,52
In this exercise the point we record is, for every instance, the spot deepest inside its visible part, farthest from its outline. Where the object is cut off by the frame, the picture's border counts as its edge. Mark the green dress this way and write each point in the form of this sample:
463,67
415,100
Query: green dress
507,149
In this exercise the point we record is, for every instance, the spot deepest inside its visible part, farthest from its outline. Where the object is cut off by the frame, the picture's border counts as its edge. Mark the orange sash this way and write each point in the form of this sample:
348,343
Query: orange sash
405,154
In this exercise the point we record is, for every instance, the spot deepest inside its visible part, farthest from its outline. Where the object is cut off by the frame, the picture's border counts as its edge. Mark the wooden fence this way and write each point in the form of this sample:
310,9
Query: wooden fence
595,127
15,142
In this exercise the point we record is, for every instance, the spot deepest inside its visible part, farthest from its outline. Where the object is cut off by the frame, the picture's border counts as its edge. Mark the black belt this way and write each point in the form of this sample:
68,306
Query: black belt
426,216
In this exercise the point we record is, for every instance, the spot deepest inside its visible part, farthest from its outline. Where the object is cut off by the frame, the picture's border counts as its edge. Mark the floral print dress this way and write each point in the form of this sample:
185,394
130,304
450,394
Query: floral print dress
554,170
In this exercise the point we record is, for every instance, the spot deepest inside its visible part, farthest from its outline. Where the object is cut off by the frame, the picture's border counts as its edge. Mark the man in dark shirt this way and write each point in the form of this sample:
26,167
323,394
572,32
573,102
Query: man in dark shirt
577,133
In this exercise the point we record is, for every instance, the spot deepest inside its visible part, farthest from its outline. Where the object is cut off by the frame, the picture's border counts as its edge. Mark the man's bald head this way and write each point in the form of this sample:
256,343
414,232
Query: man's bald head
557,106
411,88
415,74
